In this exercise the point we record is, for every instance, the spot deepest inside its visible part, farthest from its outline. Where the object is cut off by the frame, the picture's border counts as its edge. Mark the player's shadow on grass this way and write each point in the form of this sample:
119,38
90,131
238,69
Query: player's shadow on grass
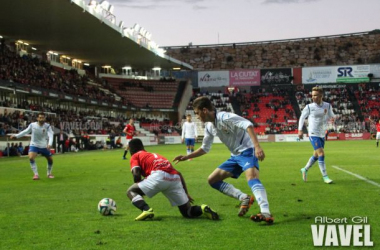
296,218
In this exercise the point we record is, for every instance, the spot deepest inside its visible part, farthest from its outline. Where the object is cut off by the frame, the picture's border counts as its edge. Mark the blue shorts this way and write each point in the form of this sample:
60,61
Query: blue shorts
317,142
238,164
43,151
189,141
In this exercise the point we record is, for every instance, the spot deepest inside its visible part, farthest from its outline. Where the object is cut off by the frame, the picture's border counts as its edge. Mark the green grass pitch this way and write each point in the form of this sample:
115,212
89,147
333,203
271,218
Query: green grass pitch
61,213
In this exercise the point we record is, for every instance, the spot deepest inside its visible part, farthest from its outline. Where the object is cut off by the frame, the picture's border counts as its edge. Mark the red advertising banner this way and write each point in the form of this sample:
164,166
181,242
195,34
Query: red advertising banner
266,138
332,137
354,136
245,77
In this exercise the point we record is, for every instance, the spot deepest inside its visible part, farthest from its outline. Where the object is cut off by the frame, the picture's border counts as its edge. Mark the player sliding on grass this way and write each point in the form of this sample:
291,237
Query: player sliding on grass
318,113
160,176
41,132
238,135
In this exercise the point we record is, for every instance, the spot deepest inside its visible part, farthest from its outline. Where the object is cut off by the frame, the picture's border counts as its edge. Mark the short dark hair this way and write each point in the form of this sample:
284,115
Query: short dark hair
41,113
203,102
135,145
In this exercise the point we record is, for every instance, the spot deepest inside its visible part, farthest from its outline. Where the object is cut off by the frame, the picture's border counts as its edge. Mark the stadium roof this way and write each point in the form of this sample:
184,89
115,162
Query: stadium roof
74,29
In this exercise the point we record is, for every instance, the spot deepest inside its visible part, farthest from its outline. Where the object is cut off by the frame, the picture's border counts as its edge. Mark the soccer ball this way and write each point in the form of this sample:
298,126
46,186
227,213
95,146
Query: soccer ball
107,206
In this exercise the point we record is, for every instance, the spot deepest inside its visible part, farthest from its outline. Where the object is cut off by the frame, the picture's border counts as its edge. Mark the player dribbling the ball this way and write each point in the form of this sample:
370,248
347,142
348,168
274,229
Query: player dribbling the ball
160,176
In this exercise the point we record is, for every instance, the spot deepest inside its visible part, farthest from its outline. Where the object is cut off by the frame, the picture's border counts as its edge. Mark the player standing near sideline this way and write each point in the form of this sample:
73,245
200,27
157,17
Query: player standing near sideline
130,131
377,131
238,135
41,132
318,113
160,176
189,134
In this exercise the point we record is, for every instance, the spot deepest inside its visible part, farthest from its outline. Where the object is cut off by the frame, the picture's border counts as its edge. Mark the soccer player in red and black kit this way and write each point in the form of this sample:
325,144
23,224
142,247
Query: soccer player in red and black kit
130,130
160,176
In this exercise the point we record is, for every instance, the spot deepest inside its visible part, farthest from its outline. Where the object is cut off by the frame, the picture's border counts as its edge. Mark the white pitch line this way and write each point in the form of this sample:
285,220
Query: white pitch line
358,176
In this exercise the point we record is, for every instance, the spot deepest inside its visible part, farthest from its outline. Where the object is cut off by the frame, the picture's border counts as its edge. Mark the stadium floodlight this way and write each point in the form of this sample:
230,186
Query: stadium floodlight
68,58
176,68
86,64
136,27
110,9
1,37
156,68
93,3
56,54
19,41
34,48
143,31
105,4
27,44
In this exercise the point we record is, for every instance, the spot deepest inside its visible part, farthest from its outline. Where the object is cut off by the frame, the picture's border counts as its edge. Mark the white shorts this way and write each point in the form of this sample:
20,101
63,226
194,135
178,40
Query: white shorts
169,184
378,135
127,143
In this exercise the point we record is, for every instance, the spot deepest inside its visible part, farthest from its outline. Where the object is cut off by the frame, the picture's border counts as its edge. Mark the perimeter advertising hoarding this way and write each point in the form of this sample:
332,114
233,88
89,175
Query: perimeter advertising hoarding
276,76
318,75
354,136
340,74
213,79
244,77
353,74
375,70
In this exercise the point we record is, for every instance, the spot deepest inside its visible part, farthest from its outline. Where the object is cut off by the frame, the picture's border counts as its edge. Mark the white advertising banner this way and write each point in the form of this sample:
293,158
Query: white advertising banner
353,73
291,138
314,75
213,78
336,74
375,70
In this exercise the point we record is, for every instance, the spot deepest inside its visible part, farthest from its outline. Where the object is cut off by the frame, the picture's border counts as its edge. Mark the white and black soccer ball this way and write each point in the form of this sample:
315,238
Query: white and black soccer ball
107,206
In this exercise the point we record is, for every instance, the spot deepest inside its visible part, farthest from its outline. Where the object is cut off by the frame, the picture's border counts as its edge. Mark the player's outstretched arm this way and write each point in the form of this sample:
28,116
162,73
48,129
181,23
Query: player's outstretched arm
196,153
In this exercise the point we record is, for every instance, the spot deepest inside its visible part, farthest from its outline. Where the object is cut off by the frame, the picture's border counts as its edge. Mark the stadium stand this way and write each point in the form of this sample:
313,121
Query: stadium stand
39,73
270,109
145,94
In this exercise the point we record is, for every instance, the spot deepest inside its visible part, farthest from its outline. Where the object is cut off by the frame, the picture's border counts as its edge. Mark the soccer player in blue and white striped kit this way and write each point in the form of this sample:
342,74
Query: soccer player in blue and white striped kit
238,135
41,133
318,113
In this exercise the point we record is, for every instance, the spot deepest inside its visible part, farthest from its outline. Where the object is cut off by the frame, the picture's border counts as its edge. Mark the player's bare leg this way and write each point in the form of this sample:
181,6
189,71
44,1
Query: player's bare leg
33,165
